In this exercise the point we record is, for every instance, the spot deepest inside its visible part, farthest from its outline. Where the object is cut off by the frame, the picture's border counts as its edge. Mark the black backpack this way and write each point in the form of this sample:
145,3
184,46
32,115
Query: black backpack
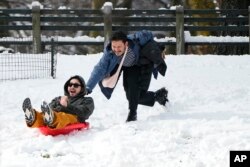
151,52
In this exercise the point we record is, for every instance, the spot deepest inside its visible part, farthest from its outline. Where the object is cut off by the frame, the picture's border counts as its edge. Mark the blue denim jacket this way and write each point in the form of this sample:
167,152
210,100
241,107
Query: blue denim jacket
109,60
106,64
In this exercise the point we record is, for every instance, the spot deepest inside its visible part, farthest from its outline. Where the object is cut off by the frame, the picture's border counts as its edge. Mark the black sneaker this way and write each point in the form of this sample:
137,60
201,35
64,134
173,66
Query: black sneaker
29,112
132,116
48,114
161,96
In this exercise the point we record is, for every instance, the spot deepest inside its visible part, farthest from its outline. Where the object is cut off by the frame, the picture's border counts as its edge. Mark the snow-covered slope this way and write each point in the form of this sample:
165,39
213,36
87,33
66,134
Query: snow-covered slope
208,115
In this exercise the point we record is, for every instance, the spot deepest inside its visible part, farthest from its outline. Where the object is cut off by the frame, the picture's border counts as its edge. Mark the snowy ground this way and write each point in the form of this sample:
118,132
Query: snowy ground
209,115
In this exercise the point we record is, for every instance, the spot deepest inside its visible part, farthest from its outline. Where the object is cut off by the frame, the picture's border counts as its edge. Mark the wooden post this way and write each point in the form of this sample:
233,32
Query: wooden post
107,10
36,29
180,40
249,29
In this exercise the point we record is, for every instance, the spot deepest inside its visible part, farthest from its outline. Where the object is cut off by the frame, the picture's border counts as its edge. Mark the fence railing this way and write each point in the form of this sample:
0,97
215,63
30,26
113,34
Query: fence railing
27,66
41,24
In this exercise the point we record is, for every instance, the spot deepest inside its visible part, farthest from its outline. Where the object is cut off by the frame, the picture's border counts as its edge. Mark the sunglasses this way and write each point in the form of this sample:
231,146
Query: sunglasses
75,85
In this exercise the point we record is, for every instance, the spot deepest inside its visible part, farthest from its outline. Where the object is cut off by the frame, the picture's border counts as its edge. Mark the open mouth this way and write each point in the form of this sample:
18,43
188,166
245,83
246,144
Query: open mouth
72,91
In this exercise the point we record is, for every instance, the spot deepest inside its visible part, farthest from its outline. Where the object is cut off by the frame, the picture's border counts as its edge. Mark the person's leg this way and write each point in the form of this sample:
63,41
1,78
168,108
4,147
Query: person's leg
47,117
33,118
62,119
146,97
130,83
56,120
38,122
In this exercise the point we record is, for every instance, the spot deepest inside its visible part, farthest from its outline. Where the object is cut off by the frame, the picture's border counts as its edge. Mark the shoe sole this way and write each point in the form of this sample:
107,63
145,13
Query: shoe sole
28,111
48,116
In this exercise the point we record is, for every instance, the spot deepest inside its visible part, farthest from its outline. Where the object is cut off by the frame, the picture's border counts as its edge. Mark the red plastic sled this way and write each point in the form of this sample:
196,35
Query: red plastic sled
66,130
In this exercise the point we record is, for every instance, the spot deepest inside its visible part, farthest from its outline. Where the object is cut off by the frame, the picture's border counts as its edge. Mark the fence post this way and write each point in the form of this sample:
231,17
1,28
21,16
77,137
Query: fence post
107,10
249,29
180,40
36,29
53,58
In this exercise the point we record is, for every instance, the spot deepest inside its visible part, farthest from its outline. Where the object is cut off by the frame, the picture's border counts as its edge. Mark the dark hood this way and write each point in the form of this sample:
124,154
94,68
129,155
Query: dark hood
83,90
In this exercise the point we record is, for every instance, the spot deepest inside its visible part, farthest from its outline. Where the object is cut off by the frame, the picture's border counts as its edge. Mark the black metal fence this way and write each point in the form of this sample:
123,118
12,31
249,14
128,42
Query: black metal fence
27,66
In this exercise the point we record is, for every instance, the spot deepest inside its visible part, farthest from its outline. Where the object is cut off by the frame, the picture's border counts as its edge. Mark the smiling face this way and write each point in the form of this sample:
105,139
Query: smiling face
118,47
74,87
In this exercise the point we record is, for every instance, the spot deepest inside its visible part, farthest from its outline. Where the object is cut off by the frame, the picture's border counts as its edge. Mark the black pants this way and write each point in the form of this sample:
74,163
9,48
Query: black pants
136,81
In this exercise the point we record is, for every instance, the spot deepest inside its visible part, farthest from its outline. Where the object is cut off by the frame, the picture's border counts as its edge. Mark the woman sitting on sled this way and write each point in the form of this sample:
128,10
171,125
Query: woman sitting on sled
71,108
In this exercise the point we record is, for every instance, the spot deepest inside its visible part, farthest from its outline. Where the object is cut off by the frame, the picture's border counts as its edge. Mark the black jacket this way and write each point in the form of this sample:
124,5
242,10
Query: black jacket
151,52
79,105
